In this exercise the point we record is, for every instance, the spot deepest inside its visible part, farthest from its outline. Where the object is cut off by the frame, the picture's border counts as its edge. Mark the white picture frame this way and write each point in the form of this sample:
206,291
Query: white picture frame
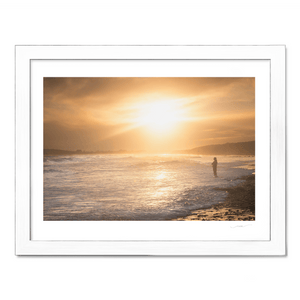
25,245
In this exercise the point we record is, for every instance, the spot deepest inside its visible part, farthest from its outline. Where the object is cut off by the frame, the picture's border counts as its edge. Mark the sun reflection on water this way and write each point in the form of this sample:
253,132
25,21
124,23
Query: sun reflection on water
161,176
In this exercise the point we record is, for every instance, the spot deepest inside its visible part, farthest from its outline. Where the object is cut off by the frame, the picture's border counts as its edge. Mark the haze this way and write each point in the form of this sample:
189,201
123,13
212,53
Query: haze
147,114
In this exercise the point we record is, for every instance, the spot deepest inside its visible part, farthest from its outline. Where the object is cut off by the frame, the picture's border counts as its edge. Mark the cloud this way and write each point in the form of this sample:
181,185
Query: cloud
85,112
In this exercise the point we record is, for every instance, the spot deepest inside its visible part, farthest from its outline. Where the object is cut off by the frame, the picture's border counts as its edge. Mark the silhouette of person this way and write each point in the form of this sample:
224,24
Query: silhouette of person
214,164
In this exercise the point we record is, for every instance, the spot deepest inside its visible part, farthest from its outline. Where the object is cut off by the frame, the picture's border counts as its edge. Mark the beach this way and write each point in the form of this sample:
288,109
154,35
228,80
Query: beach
239,204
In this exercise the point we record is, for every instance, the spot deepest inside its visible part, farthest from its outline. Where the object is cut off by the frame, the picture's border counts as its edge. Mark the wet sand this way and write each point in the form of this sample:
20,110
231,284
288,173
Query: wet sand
239,204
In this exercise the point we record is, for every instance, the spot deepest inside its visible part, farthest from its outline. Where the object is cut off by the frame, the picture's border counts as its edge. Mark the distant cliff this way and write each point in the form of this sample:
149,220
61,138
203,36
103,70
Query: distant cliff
244,148
70,152
60,152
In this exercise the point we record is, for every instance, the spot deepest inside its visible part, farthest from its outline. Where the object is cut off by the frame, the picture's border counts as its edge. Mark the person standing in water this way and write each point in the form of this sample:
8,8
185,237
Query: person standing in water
214,164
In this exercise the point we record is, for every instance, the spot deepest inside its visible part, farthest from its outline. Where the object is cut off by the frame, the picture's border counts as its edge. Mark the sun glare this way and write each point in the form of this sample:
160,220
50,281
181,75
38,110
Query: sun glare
159,115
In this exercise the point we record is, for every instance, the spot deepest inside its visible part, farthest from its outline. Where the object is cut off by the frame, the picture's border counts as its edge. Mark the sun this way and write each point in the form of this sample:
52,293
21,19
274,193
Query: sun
159,115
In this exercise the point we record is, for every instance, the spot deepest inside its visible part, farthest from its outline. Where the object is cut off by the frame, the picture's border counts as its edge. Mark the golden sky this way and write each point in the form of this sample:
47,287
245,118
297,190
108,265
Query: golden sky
155,114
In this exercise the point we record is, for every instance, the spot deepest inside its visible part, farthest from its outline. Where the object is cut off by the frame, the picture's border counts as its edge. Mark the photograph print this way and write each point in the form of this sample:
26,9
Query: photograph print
149,149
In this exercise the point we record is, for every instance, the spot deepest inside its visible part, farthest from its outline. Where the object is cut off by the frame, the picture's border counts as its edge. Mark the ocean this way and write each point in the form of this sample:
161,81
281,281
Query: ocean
136,187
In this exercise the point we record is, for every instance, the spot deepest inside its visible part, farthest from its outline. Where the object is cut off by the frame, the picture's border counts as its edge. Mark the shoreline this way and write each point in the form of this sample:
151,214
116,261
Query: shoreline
239,205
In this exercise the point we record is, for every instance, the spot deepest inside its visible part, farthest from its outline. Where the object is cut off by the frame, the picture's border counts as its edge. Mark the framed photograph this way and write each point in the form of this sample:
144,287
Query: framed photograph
150,150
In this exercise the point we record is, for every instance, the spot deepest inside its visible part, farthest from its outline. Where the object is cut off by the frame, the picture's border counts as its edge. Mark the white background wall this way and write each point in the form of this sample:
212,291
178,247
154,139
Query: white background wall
158,22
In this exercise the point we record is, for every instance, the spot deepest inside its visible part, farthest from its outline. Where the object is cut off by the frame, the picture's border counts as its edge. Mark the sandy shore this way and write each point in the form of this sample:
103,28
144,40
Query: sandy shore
239,205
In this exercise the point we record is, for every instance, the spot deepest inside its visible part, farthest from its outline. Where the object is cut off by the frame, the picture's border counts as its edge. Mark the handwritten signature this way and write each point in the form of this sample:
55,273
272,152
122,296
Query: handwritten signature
236,226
